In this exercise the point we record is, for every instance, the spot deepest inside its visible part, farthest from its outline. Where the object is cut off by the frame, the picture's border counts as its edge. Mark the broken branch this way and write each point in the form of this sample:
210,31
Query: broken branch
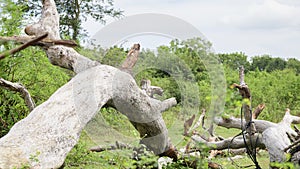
44,42
21,89
25,45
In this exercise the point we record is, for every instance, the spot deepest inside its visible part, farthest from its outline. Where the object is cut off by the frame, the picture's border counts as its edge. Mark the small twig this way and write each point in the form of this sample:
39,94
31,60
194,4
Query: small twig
292,145
17,49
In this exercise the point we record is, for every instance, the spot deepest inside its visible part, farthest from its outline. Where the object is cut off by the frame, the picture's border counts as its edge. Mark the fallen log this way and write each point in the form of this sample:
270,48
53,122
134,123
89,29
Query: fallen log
53,128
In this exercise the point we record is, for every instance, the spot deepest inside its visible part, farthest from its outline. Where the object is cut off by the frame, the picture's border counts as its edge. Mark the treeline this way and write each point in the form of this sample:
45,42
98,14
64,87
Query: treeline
262,63
184,69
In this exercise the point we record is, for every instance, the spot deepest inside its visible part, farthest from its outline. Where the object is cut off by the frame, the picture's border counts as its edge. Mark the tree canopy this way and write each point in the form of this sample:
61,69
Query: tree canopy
73,13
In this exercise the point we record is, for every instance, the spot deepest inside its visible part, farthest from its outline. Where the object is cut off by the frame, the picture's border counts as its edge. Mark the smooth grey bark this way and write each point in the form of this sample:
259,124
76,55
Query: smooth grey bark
270,135
44,138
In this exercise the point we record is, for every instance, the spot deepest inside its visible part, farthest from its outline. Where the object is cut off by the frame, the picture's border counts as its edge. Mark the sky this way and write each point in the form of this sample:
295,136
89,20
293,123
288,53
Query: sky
254,27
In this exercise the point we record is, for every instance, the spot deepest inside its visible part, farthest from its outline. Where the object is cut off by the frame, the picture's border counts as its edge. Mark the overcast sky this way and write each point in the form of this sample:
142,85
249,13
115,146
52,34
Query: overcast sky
255,27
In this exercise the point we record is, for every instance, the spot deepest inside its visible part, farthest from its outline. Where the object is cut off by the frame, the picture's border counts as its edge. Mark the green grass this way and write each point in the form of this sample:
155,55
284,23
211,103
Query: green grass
111,126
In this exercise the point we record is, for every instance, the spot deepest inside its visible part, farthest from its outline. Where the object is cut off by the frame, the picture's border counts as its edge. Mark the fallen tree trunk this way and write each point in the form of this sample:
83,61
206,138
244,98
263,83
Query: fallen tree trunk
51,130
275,137
270,135
232,143
44,138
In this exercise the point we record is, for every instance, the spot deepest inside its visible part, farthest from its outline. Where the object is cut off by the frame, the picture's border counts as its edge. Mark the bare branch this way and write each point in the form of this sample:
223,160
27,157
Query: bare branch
25,45
235,143
257,111
245,92
199,122
44,42
21,89
187,124
168,103
58,55
150,90
132,57
232,122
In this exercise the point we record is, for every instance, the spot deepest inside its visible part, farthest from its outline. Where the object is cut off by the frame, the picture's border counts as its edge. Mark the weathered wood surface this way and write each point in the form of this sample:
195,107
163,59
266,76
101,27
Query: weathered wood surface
21,89
51,130
273,136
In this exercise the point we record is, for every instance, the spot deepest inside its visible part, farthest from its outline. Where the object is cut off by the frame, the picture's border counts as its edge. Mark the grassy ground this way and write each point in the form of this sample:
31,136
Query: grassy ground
262,156
110,126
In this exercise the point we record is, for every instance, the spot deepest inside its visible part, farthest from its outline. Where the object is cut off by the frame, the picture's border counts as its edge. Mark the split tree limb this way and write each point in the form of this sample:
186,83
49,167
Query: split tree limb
58,55
257,111
199,122
245,92
25,45
131,59
21,89
187,124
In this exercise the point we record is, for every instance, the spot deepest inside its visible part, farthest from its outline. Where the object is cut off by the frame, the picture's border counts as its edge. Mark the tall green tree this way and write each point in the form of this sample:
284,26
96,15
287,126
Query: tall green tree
267,63
74,12
235,60
293,63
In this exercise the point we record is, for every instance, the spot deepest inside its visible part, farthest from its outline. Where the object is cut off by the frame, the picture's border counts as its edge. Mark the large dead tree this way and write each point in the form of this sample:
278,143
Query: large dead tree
53,128
276,138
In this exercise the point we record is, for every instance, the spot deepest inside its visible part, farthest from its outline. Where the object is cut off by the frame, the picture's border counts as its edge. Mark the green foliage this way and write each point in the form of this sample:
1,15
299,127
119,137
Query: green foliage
119,122
286,165
73,13
29,67
11,18
235,60
267,63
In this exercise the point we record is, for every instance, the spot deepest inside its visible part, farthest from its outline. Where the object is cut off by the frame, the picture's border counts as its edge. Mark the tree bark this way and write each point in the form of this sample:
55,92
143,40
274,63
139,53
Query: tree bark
270,135
43,43
25,45
51,130
246,107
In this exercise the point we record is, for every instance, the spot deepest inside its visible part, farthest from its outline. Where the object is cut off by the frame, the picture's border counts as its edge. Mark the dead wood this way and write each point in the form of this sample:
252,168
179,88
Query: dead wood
150,90
187,124
25,45
46,42
247,109
231,143
21,89
200,122
131,59
58,122
257,111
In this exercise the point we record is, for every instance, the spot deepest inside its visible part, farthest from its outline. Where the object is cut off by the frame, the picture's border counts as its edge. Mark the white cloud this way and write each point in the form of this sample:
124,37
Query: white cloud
267,15
255,27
